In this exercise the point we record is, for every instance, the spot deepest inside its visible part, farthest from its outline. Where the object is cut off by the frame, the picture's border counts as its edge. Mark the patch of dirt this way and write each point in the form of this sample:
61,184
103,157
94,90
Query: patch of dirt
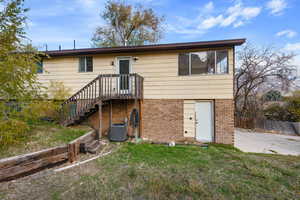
29,187
41,137
259,130
290,139
273,151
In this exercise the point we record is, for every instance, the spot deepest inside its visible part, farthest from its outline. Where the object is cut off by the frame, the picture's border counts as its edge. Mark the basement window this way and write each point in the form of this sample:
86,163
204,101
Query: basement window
86,64
204,62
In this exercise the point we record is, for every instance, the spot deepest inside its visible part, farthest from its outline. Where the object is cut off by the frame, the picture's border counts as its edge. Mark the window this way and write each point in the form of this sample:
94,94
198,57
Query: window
86,64
222,62
205,62
39,67
183,64
202,62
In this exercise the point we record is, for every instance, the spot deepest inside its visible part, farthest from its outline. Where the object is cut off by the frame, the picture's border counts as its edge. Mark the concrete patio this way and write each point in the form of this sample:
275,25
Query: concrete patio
257,142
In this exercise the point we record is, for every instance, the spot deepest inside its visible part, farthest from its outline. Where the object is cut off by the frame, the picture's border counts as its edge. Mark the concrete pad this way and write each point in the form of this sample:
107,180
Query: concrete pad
257,142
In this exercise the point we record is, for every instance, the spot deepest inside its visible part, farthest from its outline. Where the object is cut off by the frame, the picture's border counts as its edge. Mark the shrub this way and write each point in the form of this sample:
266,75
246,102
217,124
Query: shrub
277,112
58,91
290,111
37,110
51,108
272,95
293,107
48,109
12,132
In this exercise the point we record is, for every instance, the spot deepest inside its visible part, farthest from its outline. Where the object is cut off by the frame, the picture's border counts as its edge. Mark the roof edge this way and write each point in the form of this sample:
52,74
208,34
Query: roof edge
146,48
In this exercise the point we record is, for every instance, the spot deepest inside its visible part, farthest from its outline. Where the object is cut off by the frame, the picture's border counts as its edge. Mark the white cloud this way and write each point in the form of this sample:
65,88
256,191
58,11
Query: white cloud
140,1
209,6
83,17
292,47
1,6
31,24
147,3
184,30
276,7
87,3
250,12
211,22
287,33
236,15
238,24
296,62
62,8
55,36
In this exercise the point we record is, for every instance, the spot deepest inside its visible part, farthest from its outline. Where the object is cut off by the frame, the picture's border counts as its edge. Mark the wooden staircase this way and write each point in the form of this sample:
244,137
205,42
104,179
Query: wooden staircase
100,91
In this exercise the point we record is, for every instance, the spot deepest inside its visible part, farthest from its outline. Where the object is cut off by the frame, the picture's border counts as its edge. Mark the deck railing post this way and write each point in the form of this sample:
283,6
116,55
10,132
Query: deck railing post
103,87
142,88
110,86
99,132
100,86
135,85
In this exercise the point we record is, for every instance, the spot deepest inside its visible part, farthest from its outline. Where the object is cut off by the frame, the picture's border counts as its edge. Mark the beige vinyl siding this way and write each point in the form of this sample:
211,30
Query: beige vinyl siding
189,118
160,72
66,70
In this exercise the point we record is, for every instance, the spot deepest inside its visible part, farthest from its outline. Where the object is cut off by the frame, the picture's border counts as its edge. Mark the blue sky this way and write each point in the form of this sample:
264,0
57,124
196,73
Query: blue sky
262,22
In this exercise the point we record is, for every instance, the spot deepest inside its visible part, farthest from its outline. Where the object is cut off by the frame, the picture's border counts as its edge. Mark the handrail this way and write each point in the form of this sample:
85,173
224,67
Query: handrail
103,87
95,79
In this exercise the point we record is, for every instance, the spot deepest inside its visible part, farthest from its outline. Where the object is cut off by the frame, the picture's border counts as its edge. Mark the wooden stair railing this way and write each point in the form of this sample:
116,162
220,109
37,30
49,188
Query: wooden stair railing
104,87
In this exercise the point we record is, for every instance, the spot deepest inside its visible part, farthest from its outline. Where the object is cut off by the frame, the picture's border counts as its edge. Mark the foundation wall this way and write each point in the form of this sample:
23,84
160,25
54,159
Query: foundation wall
162,120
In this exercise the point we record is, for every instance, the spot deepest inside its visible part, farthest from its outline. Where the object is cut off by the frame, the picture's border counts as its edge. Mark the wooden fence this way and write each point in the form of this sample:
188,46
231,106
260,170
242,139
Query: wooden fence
242,122
282,127
18,166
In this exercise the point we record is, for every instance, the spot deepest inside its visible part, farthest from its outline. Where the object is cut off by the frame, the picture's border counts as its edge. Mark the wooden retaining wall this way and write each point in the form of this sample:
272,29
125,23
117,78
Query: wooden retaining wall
74,146
22,165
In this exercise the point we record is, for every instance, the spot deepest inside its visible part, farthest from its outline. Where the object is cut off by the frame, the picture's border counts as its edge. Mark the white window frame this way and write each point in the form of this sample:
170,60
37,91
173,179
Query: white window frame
85,64
215,67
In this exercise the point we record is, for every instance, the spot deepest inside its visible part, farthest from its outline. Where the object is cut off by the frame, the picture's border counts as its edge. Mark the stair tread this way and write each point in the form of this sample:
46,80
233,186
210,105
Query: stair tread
93,143
93,146
84,113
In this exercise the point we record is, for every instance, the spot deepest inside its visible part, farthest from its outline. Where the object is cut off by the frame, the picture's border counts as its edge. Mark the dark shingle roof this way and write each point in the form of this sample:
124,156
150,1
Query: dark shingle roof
145,48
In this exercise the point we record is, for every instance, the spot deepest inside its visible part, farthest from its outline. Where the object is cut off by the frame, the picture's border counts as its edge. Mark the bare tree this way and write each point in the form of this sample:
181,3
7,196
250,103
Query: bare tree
127,25
260,68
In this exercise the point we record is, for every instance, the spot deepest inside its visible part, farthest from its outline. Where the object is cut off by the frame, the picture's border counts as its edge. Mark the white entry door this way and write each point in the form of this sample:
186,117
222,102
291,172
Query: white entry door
124,69
204,121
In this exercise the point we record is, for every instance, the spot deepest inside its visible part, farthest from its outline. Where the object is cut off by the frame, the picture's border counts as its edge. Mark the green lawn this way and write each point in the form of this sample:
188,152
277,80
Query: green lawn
42,136
147,171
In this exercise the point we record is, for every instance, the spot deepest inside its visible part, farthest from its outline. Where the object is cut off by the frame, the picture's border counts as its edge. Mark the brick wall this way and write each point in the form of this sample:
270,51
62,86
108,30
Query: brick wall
224,121
162,119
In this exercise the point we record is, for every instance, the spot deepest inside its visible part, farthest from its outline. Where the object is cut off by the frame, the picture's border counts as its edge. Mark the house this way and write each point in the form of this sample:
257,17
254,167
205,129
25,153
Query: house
180,90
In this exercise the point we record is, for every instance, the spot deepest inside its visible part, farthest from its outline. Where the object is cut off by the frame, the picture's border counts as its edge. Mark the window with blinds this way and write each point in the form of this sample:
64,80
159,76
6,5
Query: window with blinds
86,64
